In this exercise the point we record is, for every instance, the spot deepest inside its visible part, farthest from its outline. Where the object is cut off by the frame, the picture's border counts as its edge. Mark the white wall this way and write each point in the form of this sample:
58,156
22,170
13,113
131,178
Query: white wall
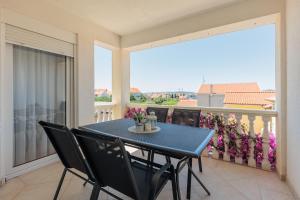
86,32
293,93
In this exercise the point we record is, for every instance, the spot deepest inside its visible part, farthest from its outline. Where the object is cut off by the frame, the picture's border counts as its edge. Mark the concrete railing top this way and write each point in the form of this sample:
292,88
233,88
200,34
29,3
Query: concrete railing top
272,113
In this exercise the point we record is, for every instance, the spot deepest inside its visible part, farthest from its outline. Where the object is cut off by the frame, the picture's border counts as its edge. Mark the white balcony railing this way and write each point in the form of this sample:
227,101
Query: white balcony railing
260,123
103,111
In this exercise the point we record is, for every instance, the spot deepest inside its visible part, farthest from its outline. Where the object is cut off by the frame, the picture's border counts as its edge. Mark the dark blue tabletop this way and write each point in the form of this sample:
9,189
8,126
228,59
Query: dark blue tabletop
171,139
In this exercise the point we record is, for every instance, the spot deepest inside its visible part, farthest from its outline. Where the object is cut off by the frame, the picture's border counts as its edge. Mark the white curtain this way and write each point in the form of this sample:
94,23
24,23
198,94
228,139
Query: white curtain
39,94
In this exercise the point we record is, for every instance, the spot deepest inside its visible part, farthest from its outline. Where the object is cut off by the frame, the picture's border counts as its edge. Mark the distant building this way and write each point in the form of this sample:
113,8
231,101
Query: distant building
134,90
235,95
136,93
102,92
187,103
228,87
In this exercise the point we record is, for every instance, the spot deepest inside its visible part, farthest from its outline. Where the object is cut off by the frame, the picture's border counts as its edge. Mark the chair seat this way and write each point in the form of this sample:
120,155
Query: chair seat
143,175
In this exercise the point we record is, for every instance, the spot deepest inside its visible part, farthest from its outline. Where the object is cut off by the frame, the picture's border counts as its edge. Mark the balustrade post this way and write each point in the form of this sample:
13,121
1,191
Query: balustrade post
205,151
106,114
110,113
226,155
238,158
215,139
265,163
96,116
101,115
251,160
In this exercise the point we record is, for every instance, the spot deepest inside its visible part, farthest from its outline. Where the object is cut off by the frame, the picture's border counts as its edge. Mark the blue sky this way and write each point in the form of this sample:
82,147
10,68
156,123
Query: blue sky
243,56
103,67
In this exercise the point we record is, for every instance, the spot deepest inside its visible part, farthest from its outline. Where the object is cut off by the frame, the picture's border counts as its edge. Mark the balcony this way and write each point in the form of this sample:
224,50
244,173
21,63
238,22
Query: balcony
259,161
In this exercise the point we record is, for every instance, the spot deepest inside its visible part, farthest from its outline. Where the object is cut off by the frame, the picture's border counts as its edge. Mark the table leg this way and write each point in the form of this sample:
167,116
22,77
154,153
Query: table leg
189,180
168,159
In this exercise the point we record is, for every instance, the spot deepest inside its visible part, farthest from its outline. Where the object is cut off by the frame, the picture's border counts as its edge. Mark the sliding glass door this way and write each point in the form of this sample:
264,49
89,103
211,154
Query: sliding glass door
40,91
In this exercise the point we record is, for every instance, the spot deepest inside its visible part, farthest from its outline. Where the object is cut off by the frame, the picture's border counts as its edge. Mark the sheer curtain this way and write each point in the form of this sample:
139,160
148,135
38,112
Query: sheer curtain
39,82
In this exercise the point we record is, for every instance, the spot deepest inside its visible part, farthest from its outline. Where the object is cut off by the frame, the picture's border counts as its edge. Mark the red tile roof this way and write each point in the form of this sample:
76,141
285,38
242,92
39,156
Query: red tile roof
100,91
249,98
135,90
187,102
229,87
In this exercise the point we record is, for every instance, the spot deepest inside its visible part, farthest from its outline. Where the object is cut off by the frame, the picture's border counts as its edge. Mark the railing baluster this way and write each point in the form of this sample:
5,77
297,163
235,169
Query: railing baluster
104,115
110,114
226,155
101,116
251,160
265,163
238,117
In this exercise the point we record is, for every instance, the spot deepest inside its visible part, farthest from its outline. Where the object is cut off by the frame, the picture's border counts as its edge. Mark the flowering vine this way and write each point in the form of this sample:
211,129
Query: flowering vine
232,132
244,143
258,150
237,133
272,151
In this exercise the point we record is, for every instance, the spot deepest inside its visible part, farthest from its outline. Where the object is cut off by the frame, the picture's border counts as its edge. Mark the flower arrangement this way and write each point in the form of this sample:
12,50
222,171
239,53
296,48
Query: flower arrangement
137,114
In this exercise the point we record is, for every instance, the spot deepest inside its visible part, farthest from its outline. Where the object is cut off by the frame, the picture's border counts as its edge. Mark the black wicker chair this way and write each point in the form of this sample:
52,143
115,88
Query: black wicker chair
68,151
161,113
115,168
188,118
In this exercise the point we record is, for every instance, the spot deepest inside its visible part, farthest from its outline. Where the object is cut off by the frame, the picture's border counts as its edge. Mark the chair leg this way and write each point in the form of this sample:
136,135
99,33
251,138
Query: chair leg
198,180
152,157
95,193
168,159
60,183
143,153
177,184
200,164
189,180
174,186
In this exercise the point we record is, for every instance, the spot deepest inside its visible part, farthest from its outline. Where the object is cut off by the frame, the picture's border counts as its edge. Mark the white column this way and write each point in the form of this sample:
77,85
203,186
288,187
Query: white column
120,82
85,81
293,98
2,114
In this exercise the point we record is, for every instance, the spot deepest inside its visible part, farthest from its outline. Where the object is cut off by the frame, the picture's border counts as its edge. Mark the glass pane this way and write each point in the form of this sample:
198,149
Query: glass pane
39,94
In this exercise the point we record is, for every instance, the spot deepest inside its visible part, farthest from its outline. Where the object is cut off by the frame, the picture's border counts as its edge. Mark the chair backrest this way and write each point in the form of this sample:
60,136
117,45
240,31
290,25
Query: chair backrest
65,146
186,117
108,161
161,113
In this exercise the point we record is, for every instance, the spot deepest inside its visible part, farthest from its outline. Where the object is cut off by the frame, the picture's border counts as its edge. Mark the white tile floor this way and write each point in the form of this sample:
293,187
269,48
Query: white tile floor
226,181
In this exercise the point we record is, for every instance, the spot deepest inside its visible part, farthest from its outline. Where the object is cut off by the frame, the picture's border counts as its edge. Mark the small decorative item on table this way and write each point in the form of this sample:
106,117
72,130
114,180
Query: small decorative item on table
153,120
140,120
143,123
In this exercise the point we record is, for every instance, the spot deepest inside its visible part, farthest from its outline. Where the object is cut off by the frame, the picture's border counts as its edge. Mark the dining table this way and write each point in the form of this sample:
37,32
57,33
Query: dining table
172,141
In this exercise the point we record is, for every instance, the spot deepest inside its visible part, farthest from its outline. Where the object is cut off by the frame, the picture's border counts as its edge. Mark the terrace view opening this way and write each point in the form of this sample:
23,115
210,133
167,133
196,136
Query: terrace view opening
209,72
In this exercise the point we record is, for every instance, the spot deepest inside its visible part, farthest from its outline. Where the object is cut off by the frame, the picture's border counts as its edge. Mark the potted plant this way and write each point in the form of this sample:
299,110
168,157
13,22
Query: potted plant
139,117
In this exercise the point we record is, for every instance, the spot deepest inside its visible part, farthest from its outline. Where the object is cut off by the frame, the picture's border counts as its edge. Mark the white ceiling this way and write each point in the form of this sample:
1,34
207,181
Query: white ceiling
129,16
